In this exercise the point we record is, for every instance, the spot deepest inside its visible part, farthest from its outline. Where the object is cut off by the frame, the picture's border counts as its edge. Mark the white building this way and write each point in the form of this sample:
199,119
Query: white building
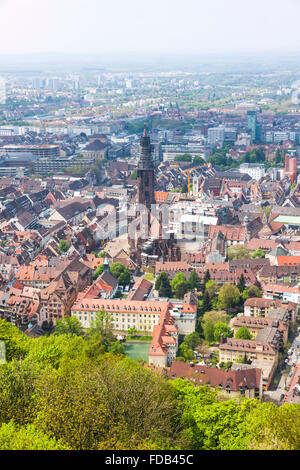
255,170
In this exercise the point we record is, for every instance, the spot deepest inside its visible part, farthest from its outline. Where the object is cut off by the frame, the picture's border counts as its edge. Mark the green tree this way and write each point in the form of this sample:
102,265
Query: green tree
68,325
109,404
183,158
211,287
204,304
186,352
221,328
209,331
229,296
98,271
177,280
269,427
254,291
259,253
243,333
194,281
163,286
192,340
206,277
238,251
121,273
242,283
14,437
63,246
181,289
215,316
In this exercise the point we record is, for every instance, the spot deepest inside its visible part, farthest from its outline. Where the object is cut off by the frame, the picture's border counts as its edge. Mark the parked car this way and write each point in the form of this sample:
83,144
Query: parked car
282,396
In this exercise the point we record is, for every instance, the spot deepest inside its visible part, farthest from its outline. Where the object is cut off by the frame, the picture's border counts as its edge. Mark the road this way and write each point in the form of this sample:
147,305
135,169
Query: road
282,379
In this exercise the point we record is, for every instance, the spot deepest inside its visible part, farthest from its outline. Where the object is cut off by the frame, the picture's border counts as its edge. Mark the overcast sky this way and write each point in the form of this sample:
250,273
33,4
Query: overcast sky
167,26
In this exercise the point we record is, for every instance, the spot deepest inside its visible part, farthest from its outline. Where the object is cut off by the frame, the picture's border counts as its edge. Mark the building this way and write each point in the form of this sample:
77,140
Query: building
46,151
255,170
290,166
221,135
96,150
145,174
233,350
44,166
282,292
252,125
142,315
164,343
267,307
247,382
261,329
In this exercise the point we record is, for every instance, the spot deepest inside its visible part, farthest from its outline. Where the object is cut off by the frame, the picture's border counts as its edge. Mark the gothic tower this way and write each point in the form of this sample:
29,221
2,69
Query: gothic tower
145,173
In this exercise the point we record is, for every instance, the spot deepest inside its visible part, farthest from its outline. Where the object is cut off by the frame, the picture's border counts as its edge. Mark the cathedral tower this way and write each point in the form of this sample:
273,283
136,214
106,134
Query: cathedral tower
145,173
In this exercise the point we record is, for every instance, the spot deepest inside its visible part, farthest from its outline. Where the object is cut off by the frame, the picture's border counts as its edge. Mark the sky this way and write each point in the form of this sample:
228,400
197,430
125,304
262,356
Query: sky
153,26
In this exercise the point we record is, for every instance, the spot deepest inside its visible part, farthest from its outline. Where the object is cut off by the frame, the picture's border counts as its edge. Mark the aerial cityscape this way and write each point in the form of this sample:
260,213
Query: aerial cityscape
149,231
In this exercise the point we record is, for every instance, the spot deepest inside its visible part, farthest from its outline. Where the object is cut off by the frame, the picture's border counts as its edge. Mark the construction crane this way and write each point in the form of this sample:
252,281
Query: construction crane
188,171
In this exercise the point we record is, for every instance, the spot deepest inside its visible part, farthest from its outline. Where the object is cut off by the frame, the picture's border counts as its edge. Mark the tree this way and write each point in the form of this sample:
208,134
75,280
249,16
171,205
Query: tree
205,303
184,188
132,331
109,404
206,277
215,316
229,295
98,271
163,285
258,253
209,331
63,246
186,352
211,287
194,281
186,157
100,336
243,333
181,289
238,251
192,340
121,273
68,325
199,160
242,283
254,291
268,427
177,280
14,437
221,328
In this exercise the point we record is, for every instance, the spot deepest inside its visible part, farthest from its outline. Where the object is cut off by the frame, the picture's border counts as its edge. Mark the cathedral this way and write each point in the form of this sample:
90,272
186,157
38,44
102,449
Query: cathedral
151,246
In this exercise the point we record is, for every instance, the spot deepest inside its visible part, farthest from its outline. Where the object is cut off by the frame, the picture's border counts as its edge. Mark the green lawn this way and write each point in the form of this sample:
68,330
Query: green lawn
137,351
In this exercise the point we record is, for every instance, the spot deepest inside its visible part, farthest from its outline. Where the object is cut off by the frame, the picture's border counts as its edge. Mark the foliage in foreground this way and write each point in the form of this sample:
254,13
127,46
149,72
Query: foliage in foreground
63,392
